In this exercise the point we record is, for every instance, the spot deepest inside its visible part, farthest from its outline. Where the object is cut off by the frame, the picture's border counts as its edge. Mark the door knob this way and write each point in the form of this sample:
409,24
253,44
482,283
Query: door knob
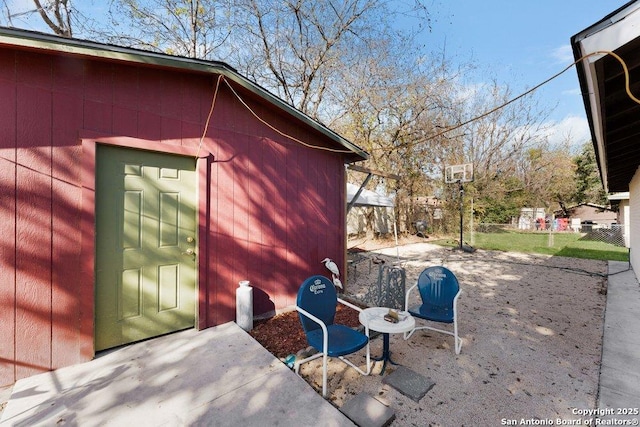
190,239
188,252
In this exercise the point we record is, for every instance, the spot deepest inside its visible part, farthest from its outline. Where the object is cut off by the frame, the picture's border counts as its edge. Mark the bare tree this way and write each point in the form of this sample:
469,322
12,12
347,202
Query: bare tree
296,48
6,18
62,17
344,63
392,108
57,15
191,28
299,47
508,148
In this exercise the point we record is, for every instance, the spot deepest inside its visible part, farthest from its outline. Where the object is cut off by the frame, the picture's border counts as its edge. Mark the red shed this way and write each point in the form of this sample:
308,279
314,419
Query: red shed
138,189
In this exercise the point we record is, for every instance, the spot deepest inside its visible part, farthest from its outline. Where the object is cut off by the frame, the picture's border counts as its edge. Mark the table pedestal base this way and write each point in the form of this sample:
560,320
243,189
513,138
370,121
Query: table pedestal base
386,353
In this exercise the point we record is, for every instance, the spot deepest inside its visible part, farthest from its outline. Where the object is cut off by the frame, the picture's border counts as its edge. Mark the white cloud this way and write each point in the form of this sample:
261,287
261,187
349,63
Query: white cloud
573,92
574,129
563,54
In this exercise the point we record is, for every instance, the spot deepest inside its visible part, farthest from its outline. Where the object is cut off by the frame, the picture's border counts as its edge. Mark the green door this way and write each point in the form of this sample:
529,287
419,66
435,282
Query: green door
145,245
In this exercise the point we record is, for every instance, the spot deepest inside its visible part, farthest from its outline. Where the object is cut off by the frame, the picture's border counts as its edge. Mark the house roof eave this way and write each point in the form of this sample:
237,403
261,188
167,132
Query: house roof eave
617,30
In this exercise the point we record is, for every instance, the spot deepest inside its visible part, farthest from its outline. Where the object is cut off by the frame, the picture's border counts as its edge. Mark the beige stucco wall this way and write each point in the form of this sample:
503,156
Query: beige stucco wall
623,219
633,220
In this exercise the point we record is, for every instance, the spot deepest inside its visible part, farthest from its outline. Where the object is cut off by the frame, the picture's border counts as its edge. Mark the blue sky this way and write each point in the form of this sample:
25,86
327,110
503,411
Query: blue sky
518,43
521,44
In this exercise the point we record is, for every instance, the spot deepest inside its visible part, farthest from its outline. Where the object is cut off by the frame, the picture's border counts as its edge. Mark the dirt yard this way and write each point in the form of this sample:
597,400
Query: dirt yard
532,334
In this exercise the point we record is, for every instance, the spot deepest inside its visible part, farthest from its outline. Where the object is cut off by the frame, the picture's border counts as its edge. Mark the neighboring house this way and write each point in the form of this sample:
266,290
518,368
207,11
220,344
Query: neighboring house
614,117
137,189
590,213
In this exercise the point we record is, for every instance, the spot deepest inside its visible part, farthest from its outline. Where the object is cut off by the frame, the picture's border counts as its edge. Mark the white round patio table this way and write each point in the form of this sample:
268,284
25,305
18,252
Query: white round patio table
373,318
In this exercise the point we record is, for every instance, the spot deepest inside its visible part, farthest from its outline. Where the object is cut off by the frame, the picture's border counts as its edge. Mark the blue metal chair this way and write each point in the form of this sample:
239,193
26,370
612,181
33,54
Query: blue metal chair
439,291
316,305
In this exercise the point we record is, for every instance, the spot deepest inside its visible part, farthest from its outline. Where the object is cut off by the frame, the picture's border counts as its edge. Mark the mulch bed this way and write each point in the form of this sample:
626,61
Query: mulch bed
282,334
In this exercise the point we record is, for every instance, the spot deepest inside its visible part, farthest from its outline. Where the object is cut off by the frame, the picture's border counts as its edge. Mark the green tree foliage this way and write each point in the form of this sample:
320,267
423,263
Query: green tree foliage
501,201
589,187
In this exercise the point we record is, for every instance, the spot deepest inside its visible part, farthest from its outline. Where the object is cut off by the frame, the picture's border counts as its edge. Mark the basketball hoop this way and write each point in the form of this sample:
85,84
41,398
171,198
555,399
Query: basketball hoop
458,173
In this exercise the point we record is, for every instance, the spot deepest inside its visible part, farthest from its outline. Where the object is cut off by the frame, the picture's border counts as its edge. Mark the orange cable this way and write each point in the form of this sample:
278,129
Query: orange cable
206,125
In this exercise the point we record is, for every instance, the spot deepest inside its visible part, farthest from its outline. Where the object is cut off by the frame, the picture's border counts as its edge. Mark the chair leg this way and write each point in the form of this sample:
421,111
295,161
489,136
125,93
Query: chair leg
297,363
324,374
456,339
325,357
368,359
407,335
369,363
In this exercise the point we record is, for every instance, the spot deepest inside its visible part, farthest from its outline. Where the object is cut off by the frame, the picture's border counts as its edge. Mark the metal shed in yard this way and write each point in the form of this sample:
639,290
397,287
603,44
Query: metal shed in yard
137,189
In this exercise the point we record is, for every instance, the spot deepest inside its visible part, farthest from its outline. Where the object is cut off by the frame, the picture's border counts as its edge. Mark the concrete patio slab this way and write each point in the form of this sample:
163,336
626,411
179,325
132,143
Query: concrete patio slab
620,369
367,411
219,376
409,383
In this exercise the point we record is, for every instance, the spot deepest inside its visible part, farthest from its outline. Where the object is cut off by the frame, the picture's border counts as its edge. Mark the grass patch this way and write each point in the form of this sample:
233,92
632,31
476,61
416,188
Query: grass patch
573,245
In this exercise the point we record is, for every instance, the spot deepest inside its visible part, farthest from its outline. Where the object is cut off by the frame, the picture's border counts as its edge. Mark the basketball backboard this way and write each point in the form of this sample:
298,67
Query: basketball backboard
458,173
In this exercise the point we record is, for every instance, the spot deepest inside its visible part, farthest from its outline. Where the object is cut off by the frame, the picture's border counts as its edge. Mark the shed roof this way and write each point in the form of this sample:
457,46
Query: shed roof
33,40
614,118
590,205
367,197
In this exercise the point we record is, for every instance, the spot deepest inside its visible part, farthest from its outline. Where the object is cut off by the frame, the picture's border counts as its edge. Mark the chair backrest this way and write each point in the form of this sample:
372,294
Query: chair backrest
318,296
438,286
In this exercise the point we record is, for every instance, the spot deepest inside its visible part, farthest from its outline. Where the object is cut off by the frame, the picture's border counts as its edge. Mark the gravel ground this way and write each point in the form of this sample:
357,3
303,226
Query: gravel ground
531,327
532,336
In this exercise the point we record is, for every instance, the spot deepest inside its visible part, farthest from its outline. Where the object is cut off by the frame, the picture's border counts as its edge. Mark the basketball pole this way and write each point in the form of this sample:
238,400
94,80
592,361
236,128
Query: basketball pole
461,209
463,248
452,172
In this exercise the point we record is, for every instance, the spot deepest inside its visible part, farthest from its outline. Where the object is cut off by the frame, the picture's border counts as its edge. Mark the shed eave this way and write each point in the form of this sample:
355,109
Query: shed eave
48,42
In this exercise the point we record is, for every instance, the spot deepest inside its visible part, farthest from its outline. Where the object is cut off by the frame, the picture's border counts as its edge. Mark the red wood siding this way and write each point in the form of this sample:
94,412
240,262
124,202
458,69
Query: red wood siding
270,208
7,220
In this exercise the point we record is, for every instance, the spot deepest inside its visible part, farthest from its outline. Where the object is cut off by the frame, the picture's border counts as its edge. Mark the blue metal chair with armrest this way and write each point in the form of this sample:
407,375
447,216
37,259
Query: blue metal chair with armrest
316,305
439,291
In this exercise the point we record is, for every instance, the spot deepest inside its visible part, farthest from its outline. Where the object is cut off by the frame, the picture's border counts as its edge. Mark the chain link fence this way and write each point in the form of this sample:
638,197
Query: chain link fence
613,234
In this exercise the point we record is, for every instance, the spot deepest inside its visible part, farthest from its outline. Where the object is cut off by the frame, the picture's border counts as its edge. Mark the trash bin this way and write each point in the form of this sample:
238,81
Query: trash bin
244,305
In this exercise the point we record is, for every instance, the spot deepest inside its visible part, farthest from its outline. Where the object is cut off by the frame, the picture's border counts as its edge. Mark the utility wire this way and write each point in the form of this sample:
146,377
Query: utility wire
449,129
533,89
